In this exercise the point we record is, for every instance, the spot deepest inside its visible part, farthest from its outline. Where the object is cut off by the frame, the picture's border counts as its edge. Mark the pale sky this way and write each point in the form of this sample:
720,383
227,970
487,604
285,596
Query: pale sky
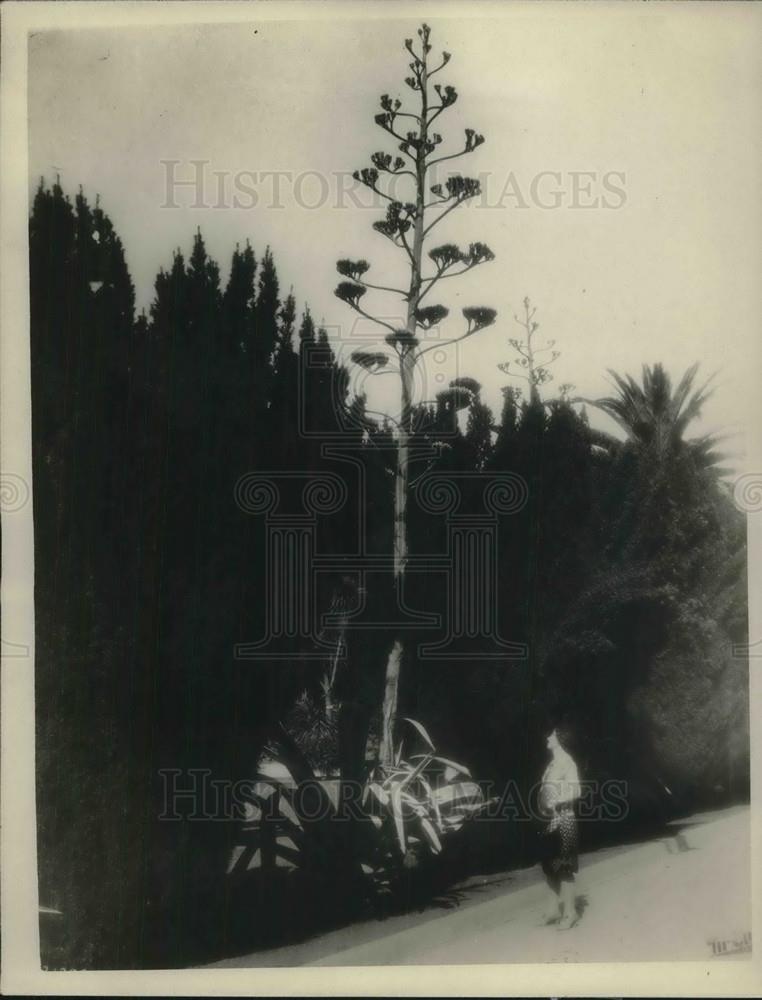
662,98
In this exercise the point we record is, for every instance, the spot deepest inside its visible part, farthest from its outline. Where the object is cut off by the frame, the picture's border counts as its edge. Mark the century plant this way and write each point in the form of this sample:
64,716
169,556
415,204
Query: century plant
412,805
408,226
532,362
415,803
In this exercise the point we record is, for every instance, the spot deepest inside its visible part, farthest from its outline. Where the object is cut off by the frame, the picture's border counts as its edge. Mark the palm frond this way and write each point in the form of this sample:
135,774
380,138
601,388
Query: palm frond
654,416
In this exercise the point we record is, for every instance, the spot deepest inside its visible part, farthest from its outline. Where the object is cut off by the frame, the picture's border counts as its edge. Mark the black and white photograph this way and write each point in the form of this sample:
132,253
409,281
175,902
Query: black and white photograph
382,493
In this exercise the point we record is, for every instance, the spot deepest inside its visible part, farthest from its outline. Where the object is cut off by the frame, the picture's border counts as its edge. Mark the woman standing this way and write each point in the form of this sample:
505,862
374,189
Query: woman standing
558,791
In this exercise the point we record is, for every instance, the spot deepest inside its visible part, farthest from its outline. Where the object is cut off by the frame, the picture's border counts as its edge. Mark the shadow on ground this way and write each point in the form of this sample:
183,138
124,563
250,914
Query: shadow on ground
259,910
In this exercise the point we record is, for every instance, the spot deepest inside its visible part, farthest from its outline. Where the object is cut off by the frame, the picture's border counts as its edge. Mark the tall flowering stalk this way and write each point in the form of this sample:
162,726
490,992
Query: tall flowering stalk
532,362
408,225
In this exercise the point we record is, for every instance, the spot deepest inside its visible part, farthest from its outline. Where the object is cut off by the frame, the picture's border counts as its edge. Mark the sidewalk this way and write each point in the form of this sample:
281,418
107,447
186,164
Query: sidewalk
665,900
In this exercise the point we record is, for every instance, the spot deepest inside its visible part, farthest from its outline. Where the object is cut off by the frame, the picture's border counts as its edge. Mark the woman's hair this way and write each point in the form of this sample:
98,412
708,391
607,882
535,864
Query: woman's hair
565,736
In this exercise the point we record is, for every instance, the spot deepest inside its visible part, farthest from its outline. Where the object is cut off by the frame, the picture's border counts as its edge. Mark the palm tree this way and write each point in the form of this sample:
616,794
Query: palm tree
654,417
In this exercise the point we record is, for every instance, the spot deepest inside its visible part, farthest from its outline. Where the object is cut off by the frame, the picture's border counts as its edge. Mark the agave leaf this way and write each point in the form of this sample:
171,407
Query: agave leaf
396,774
289,828
432,801
461,768
288,854
454,822
397,769
462,792
421,731
410,800
399,823
398,757
431,833
417,770
379,792
466,808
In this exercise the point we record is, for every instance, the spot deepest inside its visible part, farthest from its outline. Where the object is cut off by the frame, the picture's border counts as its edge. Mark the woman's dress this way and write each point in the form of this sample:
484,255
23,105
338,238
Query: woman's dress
559,842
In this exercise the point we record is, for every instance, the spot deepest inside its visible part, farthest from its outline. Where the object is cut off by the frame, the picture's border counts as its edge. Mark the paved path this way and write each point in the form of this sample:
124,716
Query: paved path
664,900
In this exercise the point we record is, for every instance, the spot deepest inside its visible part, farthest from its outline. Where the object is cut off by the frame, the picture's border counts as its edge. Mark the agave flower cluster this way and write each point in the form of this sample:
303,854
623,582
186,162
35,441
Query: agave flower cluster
461,393
430,316
350,292
464,382
401,341
397,222
455,398
532,362
352,269
448,255
371,361
386,163
479,317
456,188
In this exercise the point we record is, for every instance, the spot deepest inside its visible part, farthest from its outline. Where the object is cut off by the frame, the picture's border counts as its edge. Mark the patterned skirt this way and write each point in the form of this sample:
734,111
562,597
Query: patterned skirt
559,846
